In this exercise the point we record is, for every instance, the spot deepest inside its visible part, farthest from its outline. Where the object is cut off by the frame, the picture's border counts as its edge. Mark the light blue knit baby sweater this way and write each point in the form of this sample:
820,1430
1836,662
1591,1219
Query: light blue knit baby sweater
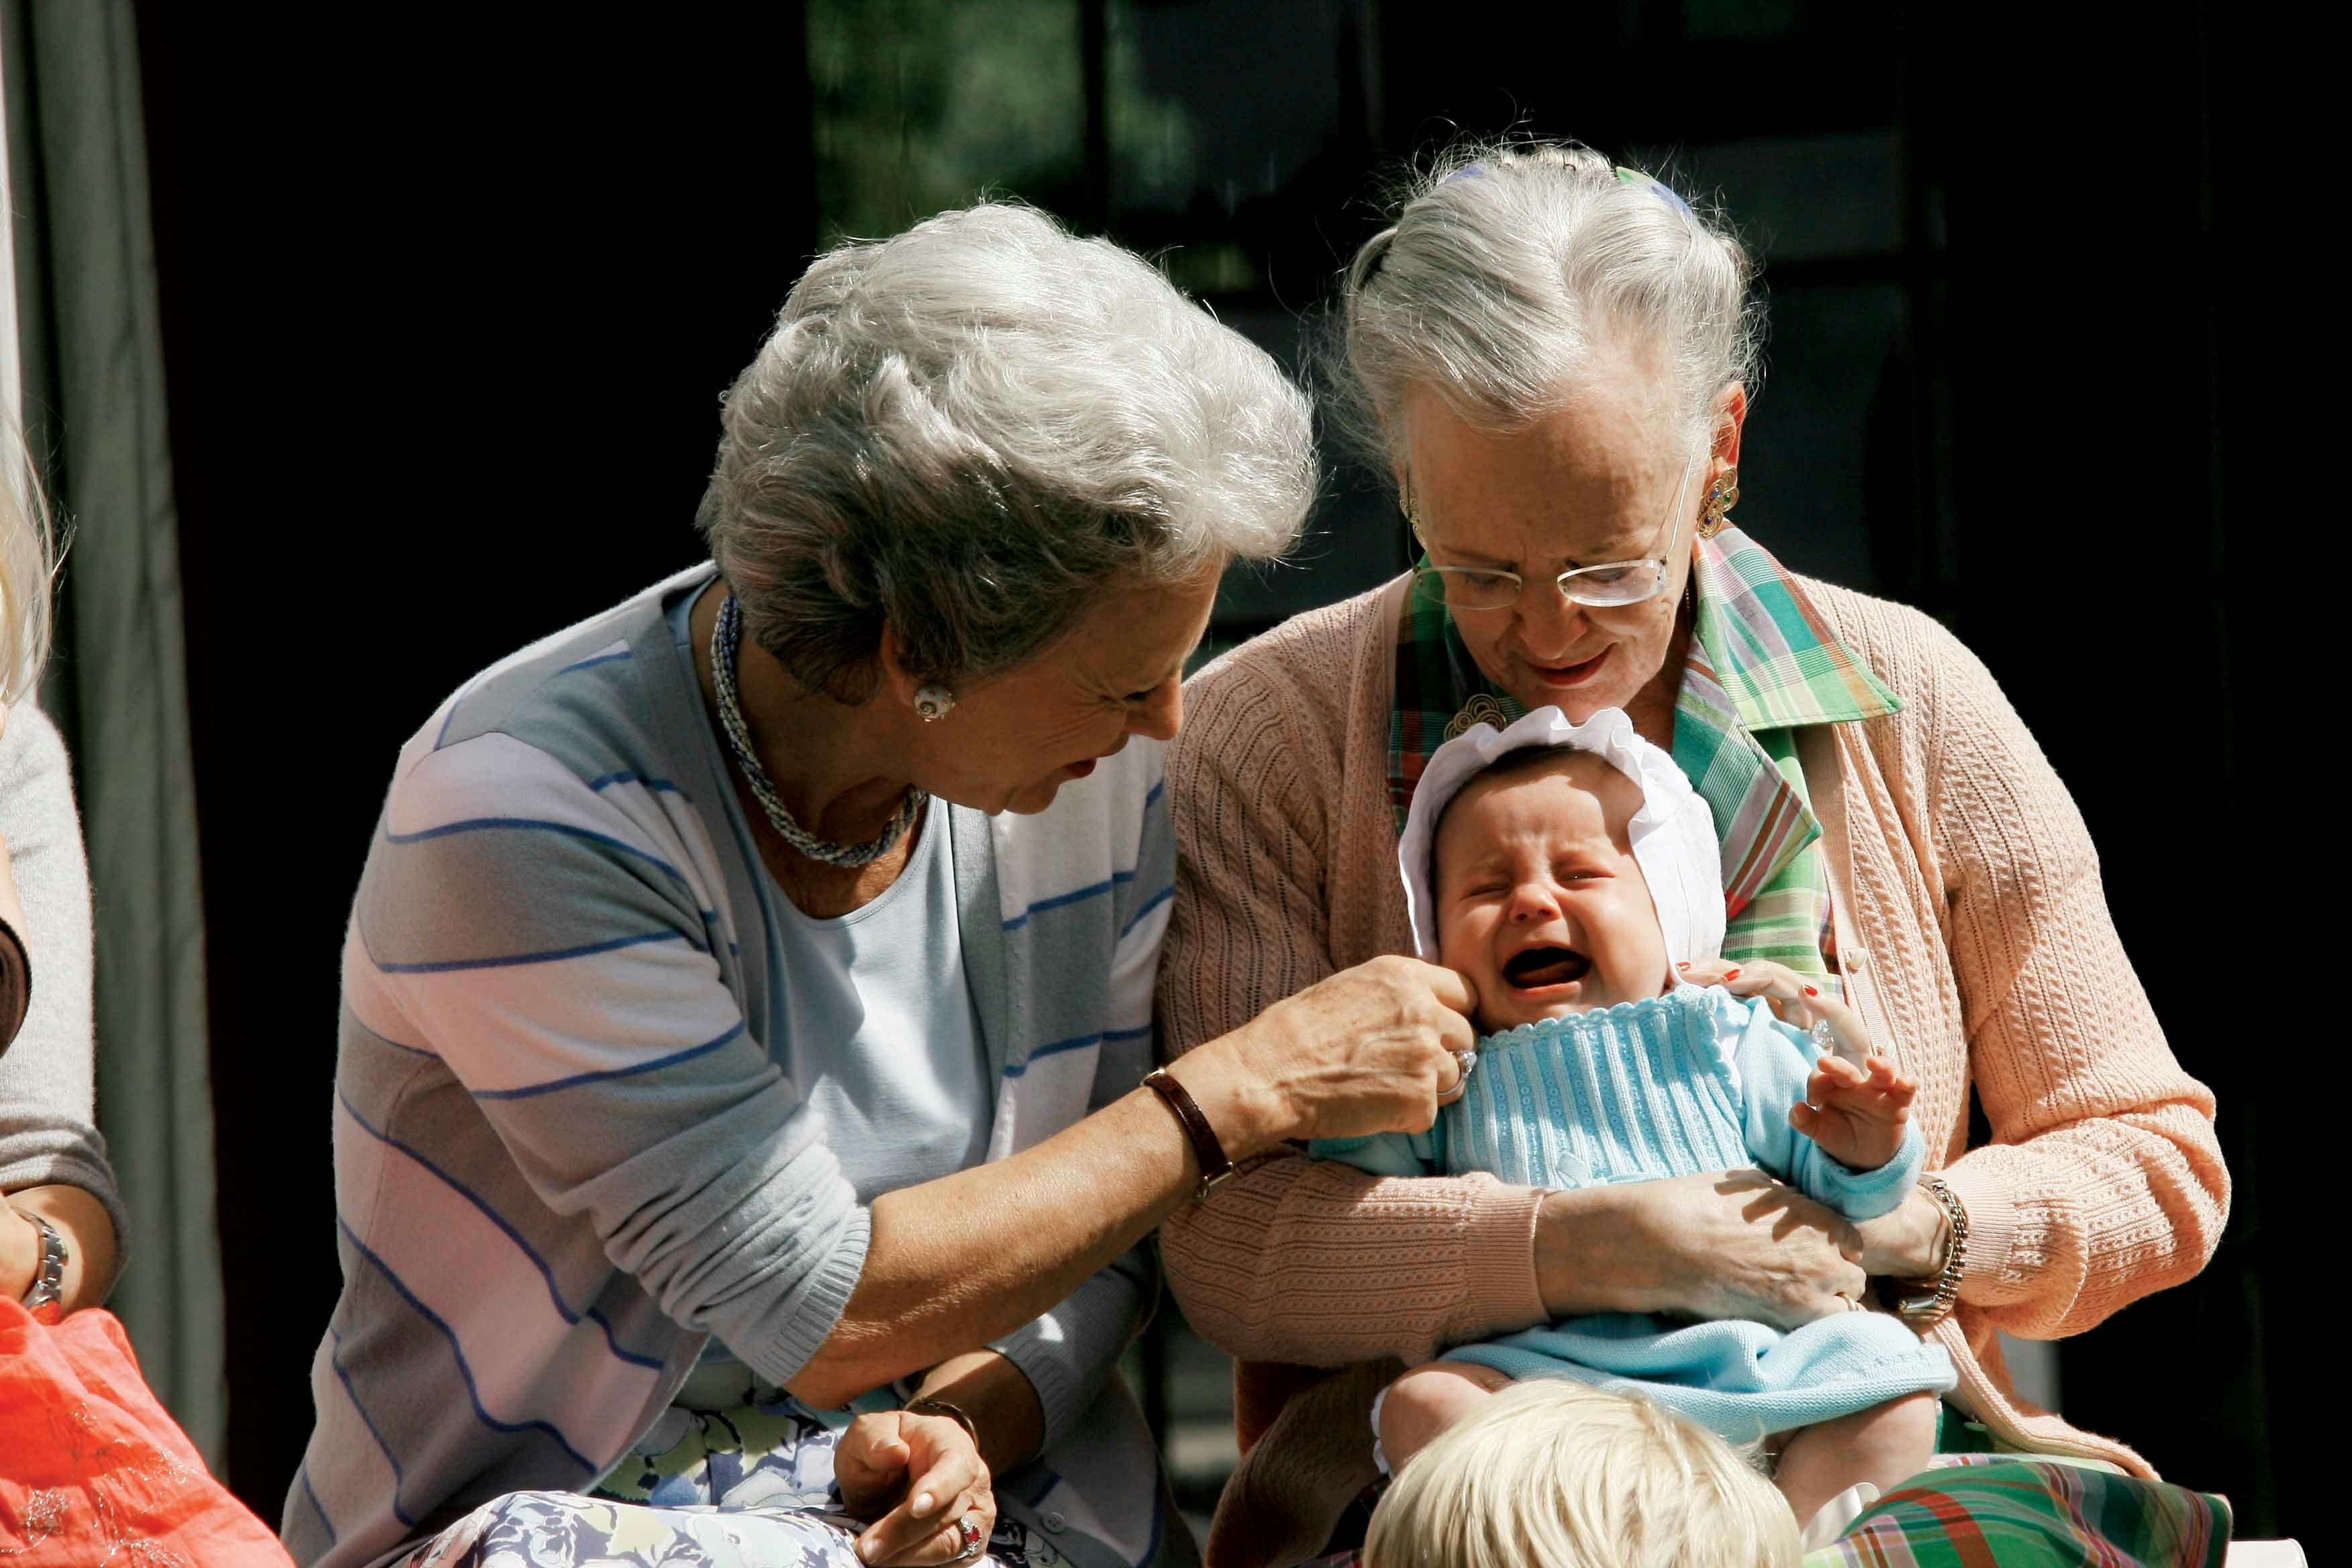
1692,1082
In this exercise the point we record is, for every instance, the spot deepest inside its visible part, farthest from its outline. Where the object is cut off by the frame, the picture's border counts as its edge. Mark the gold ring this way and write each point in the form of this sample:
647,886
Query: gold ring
1465,1061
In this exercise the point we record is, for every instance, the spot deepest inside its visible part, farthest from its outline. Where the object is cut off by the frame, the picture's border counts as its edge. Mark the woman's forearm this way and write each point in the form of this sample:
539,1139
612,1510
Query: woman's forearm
998,1398
90,1245
957,1262
1319,1263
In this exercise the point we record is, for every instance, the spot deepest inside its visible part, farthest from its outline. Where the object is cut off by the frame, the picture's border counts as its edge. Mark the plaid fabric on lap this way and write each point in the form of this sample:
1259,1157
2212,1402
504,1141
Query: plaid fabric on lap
2017,1513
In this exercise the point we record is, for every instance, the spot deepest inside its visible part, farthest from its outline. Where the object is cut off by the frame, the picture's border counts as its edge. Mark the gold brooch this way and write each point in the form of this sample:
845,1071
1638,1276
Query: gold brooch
1482,708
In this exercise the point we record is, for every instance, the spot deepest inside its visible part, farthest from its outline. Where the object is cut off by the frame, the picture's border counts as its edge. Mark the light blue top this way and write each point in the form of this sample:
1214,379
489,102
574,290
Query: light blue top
876,1023
1679,1084
873,1017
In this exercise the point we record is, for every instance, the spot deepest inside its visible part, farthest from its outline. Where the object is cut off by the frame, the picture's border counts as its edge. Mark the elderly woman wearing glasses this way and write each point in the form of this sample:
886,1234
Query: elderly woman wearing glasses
1553,357
742,1135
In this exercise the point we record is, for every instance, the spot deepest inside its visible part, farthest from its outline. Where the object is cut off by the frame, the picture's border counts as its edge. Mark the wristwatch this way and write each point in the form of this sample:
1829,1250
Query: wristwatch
49,1279
1928,1302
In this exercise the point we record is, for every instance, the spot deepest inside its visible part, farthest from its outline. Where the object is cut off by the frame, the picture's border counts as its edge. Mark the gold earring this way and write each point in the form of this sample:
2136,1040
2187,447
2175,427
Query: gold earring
1720,498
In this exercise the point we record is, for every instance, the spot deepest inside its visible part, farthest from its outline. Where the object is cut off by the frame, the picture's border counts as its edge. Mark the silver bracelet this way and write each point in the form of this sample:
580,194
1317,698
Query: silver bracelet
49,1279
1930,1302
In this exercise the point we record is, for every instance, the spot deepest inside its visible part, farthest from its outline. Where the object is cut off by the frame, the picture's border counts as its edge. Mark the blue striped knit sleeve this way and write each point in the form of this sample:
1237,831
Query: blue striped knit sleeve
1067,1354
551,945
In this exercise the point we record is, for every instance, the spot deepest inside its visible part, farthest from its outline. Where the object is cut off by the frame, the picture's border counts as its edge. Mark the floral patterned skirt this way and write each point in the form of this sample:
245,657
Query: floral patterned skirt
748,1487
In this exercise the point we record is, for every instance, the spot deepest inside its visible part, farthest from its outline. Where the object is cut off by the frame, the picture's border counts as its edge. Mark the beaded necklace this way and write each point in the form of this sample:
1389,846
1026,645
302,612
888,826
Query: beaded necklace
725,640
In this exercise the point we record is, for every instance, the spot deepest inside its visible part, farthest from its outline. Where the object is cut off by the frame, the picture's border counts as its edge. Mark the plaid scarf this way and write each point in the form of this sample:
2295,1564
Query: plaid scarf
1762,662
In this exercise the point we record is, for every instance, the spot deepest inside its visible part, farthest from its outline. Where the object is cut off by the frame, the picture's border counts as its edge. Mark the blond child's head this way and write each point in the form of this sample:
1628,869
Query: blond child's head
1552,1474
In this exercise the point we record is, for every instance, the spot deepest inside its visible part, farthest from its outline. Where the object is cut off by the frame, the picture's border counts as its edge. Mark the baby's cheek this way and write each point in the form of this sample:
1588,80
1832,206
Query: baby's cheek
1459,946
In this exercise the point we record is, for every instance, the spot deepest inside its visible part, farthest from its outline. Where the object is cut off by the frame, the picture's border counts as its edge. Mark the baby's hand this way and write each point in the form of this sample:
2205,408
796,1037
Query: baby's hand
1855,1113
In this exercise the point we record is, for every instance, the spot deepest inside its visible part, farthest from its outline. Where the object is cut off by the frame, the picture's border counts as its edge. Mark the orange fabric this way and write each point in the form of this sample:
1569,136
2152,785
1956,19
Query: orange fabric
91,1468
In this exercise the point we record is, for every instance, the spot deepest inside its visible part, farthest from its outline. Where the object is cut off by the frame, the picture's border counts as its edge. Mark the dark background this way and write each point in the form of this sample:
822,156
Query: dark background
448,309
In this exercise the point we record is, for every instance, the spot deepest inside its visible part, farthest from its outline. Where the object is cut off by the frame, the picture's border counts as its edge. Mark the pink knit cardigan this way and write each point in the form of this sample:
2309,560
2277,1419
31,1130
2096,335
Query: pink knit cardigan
1975,939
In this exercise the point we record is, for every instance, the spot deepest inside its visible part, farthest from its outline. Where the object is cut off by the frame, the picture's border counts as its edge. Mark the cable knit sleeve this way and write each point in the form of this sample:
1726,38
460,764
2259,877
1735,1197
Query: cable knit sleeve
1295,1260
2104,1182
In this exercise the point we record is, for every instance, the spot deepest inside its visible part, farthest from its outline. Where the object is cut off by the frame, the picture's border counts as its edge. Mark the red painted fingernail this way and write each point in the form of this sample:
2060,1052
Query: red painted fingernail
1684,964
1812,990
1732,975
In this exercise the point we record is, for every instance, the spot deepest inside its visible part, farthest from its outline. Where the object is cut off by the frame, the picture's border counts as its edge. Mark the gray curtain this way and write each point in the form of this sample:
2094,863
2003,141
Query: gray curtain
93,411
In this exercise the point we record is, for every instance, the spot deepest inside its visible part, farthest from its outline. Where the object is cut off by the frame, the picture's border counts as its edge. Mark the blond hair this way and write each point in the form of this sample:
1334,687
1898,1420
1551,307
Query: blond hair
27,563
1552,1474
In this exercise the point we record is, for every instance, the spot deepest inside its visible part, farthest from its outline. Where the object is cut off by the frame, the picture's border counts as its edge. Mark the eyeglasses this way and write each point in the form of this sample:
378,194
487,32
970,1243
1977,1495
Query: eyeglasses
1611,585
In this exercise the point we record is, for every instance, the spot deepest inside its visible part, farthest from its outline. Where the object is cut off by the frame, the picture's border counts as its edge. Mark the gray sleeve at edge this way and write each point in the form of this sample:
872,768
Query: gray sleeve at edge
46,1123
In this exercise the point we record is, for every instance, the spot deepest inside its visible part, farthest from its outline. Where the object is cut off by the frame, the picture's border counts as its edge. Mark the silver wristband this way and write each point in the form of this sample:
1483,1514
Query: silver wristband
1928,1302
49,1278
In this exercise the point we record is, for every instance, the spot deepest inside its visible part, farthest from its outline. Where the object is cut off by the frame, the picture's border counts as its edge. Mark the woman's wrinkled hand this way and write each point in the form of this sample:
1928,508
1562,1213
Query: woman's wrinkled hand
1795,1000
1734,1245
1367,1050
915,1477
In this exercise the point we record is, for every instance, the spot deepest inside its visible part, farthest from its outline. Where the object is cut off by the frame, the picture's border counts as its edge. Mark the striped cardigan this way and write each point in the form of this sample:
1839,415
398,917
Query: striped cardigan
563,1155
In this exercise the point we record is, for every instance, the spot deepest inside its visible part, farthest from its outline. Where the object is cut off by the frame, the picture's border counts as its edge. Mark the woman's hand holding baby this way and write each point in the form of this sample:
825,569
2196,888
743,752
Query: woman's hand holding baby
1736,1244
1368,1050
1795,1000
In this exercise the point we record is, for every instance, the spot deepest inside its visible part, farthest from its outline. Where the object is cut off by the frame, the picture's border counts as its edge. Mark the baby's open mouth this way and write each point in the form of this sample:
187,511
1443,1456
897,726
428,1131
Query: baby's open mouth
1540,966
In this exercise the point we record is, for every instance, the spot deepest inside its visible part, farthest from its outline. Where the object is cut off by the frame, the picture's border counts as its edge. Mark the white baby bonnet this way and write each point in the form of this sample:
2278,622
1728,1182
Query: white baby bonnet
1673,834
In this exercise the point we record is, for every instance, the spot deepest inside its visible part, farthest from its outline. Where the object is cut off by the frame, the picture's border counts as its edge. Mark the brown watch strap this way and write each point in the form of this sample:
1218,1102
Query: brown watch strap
1215,1165
955,1412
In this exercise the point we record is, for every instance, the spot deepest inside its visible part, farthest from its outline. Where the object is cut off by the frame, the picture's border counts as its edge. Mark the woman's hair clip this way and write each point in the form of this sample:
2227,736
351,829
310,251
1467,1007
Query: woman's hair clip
1666,193
1470,172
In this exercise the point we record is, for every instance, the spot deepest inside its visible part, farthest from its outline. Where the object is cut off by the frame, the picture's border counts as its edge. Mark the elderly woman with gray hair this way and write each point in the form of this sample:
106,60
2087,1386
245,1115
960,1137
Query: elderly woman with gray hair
743,1144
1553,357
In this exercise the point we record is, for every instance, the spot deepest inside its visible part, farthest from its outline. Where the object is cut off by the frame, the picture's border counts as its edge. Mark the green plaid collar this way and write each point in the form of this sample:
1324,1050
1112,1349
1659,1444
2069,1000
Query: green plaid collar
1763,661
1773,657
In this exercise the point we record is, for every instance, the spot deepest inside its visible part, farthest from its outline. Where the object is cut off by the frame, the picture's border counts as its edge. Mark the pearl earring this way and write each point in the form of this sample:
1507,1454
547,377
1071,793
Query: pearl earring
932,704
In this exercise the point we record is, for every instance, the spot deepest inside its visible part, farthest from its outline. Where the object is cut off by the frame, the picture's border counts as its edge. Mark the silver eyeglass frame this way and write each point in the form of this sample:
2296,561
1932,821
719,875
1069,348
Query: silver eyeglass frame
1562,582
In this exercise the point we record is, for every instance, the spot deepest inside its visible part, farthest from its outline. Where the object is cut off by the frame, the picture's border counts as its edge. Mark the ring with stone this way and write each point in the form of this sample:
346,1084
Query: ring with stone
974,1538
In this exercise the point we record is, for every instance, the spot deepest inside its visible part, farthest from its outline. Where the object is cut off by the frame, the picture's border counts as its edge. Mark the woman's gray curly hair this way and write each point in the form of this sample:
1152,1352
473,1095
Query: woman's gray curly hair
966,432
1508,263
